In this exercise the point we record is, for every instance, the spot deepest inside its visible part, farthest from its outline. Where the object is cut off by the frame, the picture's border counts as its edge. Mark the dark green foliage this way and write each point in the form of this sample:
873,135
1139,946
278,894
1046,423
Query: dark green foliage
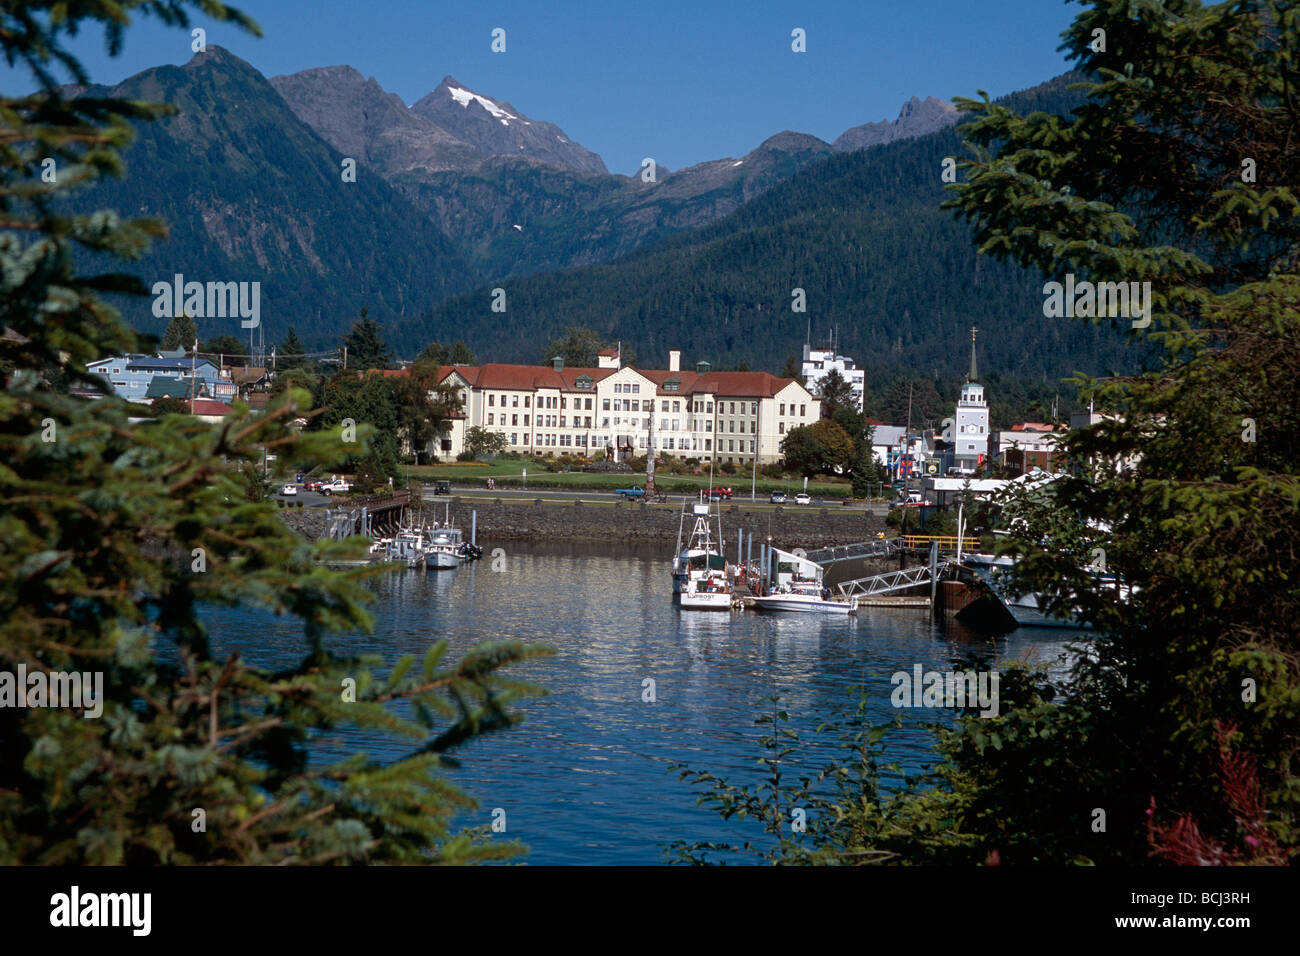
365,345
480,442
226,345
118,534
579,347
290,354
436,353
170,405
181,333
820,448
1175,535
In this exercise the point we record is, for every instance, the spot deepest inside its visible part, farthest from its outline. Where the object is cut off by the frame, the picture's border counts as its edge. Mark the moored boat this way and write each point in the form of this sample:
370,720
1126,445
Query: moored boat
798,587
699,573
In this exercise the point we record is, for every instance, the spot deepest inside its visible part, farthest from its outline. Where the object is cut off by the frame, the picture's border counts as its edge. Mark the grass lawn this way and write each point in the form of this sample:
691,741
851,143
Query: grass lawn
508,475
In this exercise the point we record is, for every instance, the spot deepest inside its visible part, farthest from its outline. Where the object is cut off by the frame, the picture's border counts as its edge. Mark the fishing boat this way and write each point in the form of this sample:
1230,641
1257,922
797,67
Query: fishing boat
700,579
443,548
798,587
407,547
709,592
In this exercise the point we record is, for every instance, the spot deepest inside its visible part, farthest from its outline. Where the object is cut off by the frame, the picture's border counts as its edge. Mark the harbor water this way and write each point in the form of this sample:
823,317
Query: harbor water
587,778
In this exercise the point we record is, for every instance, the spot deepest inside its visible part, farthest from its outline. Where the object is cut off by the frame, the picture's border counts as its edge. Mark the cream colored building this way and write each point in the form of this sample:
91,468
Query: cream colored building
616,409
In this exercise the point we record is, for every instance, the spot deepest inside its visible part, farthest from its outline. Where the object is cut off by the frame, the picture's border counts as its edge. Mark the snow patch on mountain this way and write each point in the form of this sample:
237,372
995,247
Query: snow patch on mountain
465,97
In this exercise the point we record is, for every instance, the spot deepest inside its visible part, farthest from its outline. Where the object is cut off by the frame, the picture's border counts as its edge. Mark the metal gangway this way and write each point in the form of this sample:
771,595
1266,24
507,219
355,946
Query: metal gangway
892,580
876,548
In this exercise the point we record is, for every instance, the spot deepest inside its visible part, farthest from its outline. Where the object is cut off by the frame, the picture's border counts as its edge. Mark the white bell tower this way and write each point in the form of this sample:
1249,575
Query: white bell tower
971,423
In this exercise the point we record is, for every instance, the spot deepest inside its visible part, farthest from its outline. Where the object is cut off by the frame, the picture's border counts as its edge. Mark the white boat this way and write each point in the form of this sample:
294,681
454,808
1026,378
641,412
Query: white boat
444,548
407,547
700,578
798,588
710,592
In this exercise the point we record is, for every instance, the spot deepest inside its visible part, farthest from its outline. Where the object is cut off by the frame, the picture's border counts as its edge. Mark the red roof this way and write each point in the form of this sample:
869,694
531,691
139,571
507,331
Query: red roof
527,378
208,406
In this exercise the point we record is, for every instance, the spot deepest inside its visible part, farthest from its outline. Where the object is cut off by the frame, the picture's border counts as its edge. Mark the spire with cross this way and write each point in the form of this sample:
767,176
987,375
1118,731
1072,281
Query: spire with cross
974,374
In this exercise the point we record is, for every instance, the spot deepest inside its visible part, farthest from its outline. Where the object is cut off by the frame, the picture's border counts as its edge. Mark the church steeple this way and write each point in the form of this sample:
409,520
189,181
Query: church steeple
974,374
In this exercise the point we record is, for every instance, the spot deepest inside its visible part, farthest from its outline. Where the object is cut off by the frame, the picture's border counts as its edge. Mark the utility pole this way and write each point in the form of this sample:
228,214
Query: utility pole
650,450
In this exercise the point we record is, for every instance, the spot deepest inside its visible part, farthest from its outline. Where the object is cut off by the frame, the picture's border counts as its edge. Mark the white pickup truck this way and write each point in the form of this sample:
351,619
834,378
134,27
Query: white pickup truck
335,486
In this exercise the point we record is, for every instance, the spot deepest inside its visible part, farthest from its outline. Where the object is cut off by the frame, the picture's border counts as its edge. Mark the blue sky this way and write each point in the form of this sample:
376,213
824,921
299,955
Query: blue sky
683,82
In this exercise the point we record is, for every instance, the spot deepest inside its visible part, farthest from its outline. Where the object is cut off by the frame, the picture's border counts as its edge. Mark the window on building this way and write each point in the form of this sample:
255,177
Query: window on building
606,405
801,410
753,428
636,405
780,429
618,387
490,419
708,444
604,423
514,401
663,424
636,389
709,409
527,399
708,425
492,399
513,438
525,421
782,411
588,405
562,425
676,424
514,420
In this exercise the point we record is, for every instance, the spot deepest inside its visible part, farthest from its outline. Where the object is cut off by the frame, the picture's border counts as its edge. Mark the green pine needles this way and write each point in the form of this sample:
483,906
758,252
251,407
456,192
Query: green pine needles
115,533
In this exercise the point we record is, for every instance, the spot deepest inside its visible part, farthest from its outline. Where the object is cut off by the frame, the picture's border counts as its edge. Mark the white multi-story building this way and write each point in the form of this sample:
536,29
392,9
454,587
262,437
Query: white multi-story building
817,364
548,409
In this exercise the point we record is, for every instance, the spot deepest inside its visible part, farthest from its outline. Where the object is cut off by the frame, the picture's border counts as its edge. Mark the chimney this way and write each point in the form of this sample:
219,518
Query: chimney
674,360
557,363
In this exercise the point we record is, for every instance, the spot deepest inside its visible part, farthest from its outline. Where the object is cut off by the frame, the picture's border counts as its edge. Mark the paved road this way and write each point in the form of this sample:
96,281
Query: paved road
477,492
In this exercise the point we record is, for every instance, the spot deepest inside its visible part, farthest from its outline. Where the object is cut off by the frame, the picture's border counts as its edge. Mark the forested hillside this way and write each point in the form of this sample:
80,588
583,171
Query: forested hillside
862,234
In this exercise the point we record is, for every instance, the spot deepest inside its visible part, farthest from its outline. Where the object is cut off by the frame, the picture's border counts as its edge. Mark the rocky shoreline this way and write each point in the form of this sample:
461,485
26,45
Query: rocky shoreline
548,520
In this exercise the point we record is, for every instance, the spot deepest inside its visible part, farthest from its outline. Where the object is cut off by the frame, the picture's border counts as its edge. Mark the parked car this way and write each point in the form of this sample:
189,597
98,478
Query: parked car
313,485
719,493
289,490
636,491
335,486
442,487
778,497
802,499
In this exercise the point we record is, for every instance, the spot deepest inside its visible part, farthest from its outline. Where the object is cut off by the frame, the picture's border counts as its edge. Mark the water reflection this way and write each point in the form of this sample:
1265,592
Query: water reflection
584,779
